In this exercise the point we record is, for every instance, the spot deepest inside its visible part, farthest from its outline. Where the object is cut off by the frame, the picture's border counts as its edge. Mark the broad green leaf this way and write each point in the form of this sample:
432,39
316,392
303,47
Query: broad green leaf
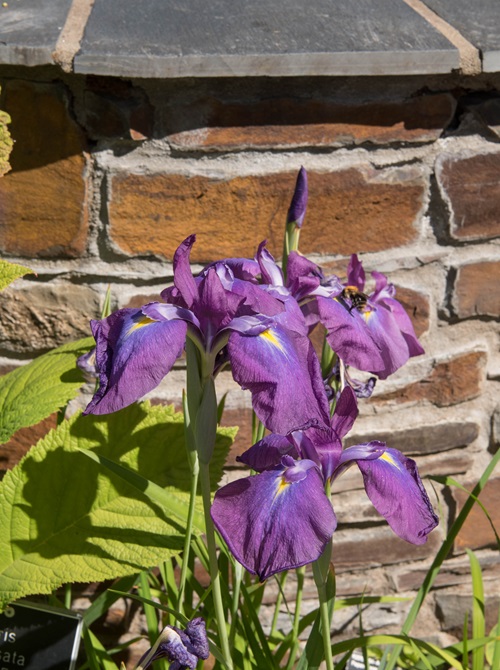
34,391
64,518
11,271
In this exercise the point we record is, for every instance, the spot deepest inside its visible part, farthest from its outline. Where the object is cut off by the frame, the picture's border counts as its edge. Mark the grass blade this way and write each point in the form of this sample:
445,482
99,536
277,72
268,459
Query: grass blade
478,623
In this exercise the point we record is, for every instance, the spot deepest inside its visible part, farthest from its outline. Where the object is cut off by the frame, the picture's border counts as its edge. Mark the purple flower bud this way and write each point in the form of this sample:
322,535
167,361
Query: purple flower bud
298,206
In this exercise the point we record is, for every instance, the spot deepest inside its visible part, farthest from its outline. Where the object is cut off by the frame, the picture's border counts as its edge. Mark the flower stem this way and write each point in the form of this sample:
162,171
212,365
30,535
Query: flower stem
291,243
281,582
214,567
324,613
238,577
189,533
300,572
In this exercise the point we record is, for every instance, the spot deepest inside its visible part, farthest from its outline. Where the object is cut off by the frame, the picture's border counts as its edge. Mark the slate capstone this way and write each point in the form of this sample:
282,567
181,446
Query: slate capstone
29,30
175,38
478,22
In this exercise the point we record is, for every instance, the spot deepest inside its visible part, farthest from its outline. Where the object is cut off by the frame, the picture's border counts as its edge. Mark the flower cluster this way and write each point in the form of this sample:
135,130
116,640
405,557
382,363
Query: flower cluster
247,315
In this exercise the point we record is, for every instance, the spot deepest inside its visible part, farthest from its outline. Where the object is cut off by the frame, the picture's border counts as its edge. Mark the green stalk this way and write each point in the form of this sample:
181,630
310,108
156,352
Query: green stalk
258,429
324,613
440,557
149,611
168,576
291,243
214,566
67,596
301,572
201,413
189,535
281,578
328,359
238,577
195,470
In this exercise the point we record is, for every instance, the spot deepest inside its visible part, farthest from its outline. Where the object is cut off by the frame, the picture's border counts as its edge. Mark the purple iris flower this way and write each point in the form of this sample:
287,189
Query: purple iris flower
231,319
183,648
370,332
282,518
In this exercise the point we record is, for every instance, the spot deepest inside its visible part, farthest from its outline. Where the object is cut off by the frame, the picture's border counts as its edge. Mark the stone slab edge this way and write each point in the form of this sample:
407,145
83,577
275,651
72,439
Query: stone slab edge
269,65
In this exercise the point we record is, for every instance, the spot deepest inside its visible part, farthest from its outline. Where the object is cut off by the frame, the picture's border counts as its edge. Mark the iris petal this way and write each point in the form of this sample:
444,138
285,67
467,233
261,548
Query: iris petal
133,354
349,336
356,273
394,486
268,452
281,370
183,277
271,523
346,411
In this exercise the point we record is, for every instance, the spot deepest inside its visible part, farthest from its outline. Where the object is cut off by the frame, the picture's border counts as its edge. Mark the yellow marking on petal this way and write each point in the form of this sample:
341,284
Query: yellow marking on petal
367,314
281,487
143,321
389,459
271,337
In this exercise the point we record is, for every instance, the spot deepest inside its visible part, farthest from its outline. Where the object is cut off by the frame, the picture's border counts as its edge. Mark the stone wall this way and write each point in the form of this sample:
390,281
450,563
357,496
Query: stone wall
108,176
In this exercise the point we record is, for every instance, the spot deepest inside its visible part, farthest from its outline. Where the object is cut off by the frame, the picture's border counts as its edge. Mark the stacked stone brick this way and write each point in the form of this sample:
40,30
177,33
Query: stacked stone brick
109,176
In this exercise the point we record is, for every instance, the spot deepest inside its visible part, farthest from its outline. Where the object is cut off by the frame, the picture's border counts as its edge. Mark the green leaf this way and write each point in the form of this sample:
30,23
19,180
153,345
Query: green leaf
97,654
478,622
11,271
34,391
64,518
493,648
368,641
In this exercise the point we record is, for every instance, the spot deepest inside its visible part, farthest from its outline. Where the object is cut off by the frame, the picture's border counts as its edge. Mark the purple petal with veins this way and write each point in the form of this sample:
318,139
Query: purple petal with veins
271,273
282,371
394,486
277,520
355,273
346,411
268,452
183,277
133,354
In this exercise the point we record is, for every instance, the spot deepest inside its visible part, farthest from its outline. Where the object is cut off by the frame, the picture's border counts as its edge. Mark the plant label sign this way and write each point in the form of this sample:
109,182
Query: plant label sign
38,637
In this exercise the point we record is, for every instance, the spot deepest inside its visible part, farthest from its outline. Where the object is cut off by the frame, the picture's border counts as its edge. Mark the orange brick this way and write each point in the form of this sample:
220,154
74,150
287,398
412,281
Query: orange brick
349,210
477,533
472,187
477,290
219,125
43,198
450,382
